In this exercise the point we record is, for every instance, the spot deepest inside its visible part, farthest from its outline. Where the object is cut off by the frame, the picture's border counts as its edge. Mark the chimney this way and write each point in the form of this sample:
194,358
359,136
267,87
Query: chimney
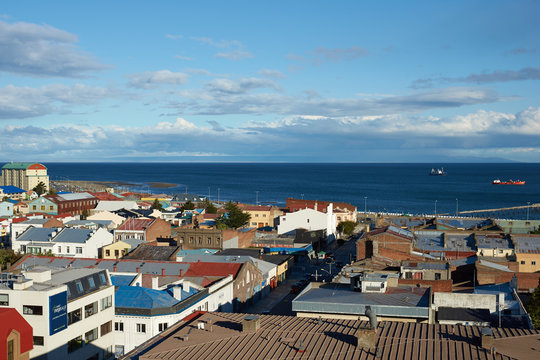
250,323
177,292
138,269
366,336
181,272
155,283
115,269
486,338
186,286
163,272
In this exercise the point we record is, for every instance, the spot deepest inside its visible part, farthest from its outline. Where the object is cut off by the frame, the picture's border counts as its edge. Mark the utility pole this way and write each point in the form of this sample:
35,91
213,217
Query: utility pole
457,206
365,206
218,194
528,206
435,208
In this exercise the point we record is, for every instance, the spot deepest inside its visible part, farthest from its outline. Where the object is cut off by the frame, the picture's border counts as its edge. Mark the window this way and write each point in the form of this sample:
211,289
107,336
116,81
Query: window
79,286
10,350
141,328
106,328
59,249
51,207
38,340
106,302
91,282
163,326
78,250
67,249
75,344
107,252
107,353
116,253
91,335
75,316
34,207
437,276
119,326
90,309
102,278
209,240
32,310
43,207
522,262
533,262
4,299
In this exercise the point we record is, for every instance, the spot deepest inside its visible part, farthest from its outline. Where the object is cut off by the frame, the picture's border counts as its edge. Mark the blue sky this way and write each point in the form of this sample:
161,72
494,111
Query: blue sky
292,81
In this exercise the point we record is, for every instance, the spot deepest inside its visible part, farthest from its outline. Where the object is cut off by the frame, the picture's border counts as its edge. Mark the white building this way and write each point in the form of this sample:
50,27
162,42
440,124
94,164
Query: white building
309,219
82,243
107,215
142,313
24,175
71,311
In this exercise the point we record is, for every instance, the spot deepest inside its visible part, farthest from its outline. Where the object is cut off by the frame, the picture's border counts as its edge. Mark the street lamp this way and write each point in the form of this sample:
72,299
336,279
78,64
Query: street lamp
218,194
457,206
365,206
528,206
435,208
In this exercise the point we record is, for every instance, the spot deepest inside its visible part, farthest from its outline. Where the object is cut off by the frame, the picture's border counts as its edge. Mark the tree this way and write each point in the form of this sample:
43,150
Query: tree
40,188
8,256
233,218
188,205
209,207
84,214
346,227
533,307
157,205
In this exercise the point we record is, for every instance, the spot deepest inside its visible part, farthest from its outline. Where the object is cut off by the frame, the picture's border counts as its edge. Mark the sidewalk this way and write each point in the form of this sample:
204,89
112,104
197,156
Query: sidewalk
268,302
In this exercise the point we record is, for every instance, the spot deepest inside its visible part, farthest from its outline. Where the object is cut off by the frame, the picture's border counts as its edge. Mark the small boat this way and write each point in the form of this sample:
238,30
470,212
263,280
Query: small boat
509,182
437,172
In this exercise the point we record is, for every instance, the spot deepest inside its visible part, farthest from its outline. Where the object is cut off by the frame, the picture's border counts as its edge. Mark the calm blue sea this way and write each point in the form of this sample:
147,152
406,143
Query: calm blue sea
380,187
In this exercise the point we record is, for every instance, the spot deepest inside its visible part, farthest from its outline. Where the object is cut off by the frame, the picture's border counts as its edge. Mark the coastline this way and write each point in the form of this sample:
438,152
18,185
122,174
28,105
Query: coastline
100,186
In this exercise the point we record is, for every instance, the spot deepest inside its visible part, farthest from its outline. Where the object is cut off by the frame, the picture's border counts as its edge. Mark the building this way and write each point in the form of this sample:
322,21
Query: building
242,336
143,229
82,243
144,312
433,270
72,203
213,238
262,216
71,311
24,175
6,209
16,335
527,250
309,219
388,242
344,211
12,192
119,249
494,245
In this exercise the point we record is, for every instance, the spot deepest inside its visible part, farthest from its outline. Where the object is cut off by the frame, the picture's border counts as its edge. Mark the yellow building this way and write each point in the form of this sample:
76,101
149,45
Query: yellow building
527,250
24,175
119,249
261,215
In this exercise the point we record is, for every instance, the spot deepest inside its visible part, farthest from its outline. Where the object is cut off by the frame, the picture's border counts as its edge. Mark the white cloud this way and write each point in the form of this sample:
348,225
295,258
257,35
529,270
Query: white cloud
148,80
43,51
273,74
174,37
241,86
234,55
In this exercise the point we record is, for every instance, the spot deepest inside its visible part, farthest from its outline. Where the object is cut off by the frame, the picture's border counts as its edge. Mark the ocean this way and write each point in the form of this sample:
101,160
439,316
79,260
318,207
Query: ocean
396,188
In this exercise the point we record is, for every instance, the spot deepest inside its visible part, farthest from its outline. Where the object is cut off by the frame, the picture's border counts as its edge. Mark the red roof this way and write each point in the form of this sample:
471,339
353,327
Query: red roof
103,195
18,220
213,269
136,224
255,208
37,167
10,320
321,205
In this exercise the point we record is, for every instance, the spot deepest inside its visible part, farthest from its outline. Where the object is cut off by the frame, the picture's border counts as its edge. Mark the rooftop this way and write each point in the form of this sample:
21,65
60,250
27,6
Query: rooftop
135,224
280,337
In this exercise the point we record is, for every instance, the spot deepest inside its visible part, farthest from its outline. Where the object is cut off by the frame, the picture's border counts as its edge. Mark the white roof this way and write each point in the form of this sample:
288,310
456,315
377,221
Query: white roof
105,205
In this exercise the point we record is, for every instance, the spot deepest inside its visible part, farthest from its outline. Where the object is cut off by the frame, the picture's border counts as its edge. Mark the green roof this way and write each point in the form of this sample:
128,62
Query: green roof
18,165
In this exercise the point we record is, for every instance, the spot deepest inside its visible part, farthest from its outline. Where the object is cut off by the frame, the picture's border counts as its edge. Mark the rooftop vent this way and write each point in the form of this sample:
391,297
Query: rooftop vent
366,337
250,323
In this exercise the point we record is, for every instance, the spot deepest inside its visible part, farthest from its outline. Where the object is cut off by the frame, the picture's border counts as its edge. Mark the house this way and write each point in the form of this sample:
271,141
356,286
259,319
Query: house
527,250
261,216
19,227
213,238
119,249
107,216
143,229
493,245
345,211
432,270
71,311
12,192
388,242
114,205
16,335
24,175
81,243
6,209
309,219
73,203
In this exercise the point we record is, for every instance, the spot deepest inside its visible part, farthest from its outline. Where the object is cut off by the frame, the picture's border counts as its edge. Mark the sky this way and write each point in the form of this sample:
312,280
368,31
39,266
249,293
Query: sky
280,81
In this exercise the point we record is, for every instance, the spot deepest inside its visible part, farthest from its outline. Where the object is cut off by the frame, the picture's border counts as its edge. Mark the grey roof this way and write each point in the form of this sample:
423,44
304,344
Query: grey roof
425,265
401,232
527,244
339,299
100,223
133,242
35,221
463,314
77,196
150,252
262,265
435,241
37,234
69,235
492,242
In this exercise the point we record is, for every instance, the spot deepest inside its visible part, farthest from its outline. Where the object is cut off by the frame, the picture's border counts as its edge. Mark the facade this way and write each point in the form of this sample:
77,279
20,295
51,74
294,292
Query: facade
73,203
527,250
309,219
16,336
12,192
346,211
71,311
494,245
81,243
119,249
262,216
425,270
213,238
24,175
143,229
6,209
388,242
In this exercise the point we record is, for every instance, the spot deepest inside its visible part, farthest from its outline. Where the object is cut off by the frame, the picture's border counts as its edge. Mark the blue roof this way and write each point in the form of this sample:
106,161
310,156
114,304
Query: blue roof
10,189
73,235
141,297
122,280
37,234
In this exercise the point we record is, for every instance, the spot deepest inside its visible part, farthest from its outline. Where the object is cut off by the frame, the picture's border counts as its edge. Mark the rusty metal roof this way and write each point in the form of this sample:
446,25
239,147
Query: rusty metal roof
281,337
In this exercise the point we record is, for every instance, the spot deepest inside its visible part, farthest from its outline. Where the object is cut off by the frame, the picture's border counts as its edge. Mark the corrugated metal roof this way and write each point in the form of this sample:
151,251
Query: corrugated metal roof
37,234
70,235
280,337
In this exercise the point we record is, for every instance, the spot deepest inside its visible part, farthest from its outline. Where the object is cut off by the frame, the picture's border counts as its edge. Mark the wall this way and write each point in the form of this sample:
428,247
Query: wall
531,262
159,228
457,300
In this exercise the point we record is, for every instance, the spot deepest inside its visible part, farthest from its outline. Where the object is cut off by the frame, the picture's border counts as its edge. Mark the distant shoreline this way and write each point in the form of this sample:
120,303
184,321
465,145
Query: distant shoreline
97,186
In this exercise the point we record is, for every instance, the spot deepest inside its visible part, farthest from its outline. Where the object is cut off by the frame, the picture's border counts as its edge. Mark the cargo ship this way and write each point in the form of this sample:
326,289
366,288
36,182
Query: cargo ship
509,182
